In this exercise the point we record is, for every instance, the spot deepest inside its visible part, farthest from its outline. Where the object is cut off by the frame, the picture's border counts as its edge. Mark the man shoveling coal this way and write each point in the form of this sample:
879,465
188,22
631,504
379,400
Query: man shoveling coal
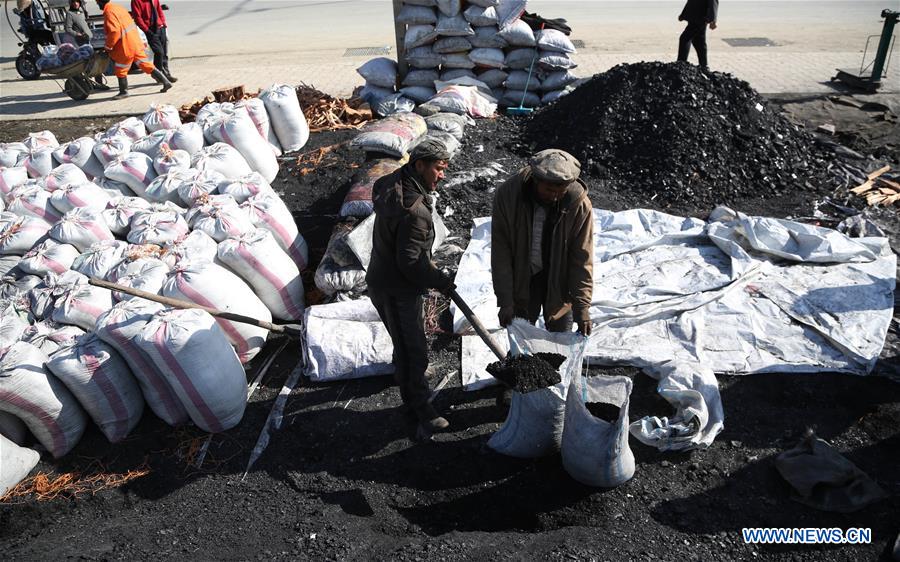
401,271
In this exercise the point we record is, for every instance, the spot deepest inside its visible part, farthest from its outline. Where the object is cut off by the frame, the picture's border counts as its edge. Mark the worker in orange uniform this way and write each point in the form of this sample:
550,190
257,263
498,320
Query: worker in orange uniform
125,47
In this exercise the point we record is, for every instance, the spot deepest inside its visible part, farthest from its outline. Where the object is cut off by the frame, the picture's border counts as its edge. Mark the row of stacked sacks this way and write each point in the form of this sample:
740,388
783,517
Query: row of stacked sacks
151,204
480,40
386,144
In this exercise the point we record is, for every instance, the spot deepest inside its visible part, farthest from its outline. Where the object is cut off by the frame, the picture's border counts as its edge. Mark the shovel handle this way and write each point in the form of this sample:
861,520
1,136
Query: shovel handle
476,323
177,303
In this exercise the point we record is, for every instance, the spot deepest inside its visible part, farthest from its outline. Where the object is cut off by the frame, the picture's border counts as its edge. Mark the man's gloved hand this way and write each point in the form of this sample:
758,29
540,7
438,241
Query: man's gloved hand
584,328
505,316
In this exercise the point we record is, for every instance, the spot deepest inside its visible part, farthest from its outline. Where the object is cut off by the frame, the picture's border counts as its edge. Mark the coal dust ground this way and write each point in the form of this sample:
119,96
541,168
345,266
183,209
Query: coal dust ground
343,480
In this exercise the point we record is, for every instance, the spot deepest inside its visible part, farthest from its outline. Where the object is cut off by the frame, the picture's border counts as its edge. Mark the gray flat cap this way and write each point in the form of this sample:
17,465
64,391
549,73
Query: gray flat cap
555,165
431,148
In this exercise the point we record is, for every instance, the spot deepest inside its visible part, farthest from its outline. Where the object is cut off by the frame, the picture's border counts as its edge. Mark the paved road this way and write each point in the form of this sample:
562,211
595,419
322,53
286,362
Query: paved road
220,43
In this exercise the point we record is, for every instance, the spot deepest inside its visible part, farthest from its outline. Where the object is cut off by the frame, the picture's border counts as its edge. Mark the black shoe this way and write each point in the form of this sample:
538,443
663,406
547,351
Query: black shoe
96,85
426,429
171,78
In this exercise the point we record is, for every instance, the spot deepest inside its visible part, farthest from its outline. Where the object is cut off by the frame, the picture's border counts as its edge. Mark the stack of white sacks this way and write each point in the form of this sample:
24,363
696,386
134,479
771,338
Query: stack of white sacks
483,40
181,210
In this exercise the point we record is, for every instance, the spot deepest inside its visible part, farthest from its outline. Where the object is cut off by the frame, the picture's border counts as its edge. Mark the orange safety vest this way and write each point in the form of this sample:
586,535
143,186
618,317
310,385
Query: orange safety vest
122,38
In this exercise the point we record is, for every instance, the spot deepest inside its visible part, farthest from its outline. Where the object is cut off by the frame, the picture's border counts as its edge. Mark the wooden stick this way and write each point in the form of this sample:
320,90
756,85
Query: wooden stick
287,330
878,172
476,323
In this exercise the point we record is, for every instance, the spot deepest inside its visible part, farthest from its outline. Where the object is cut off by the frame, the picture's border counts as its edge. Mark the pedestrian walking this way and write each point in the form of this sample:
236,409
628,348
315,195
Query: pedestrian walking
149,17
699,14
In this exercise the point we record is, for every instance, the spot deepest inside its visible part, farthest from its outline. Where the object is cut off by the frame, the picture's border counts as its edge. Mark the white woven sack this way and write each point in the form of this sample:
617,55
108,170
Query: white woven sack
286,117
14,430
12,287
201,184
246,187
36,397
49,336
191,351
211,285
518,34
165,186
519,79
42,296
120,210
81,153
168,159
493,78
103,384
147,274
19,234
130,127
423,58
197,246
557,80
481,16
419,36
17,462
161,116
520,59
42,139
448,45
594,451
555,60
63,175
8,265
135,170
83,194
418,94
416,15
268,211
100,258
82,228
109,149
114,188
554,40
272,274
119,327
453,26
220,217
212,110
11,178
12,324
449,7
534,424
516,97
38,162
380,71
48,256
187,137
82,305
12,153
31,199
420,78
487,37
256,109
223,158
238,130
490,58
157,227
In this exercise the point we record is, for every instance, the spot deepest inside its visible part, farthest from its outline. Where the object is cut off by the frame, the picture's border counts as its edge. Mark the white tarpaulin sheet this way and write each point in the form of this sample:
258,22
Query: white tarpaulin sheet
684,299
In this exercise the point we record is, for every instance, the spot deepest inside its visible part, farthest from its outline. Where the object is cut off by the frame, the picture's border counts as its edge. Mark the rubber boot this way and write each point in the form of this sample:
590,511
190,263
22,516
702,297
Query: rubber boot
161,79
123,89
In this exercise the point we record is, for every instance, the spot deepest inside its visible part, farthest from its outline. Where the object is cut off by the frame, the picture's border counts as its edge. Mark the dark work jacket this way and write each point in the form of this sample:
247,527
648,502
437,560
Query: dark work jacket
700,10
402,237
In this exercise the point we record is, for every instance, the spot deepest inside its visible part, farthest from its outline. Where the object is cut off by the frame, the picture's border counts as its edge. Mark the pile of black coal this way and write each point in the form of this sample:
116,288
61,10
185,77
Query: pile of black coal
670,130
527,373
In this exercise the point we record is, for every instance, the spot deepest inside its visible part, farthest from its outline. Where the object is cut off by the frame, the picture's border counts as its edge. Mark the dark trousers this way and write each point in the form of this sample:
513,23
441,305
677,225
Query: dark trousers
404,318
537,294
159,44
694,34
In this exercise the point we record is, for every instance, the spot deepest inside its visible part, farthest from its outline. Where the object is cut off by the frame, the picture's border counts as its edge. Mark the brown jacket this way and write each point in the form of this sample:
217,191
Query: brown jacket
402,238
570,282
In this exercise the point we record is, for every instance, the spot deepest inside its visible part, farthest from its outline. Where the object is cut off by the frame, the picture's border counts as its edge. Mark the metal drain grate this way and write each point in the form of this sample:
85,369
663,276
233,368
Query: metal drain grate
367,51
750,42
579,44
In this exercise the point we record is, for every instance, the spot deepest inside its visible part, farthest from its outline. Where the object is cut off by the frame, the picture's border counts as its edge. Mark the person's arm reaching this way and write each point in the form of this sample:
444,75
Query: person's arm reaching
581,271
412,259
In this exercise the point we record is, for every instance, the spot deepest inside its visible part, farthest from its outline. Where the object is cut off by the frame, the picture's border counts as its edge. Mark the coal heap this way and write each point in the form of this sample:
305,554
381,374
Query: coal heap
670,130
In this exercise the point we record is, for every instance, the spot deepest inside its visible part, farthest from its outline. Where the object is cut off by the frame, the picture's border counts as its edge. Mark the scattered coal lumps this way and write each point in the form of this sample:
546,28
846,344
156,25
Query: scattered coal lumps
527,373
669,130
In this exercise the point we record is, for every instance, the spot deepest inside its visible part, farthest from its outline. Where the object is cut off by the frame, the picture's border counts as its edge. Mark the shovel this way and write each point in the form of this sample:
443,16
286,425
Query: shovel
476,323
290,330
